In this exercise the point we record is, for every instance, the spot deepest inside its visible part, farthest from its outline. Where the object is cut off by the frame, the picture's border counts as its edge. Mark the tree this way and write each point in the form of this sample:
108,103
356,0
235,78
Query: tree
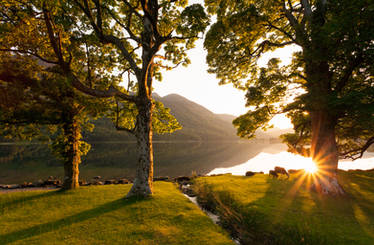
33,98
126,36
331,73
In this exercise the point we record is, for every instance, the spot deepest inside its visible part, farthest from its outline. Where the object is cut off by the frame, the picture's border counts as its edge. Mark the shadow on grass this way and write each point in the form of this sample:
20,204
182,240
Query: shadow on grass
24,199
66,221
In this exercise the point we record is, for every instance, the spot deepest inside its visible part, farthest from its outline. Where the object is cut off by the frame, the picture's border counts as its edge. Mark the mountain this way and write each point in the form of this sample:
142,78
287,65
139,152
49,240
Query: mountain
226,117
199,124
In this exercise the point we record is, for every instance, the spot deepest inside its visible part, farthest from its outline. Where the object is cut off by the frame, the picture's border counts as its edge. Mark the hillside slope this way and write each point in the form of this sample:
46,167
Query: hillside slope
198,123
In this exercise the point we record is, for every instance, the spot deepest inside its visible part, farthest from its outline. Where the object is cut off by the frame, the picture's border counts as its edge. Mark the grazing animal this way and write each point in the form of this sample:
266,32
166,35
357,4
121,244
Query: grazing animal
249,173
280,170
273,174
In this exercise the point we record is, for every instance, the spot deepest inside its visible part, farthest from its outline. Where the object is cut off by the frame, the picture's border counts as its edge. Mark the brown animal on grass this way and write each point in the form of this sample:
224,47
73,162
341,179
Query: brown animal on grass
249,173
280,170
273,174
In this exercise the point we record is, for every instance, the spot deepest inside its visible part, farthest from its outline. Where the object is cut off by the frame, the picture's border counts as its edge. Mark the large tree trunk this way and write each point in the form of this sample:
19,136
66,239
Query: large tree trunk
325,153
142,186
72,156
143,183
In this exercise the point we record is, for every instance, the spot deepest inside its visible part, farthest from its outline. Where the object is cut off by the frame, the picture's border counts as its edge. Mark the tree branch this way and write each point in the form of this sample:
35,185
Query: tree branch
261,47
70,75
150,9
108,38
307,8
358,151
52,39
127,28
25,122
132,9
179,37
282,31
290,17
353,64
168,67
30,53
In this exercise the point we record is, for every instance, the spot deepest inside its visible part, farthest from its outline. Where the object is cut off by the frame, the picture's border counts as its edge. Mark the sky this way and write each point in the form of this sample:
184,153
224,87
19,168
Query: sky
196,84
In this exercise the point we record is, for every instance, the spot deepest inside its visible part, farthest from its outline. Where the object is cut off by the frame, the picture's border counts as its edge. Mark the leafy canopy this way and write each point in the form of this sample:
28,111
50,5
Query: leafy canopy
332,70
96,45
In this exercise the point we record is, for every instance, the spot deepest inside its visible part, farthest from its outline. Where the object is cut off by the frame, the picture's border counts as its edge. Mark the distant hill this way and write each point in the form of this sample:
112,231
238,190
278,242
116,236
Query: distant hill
226,117
199,124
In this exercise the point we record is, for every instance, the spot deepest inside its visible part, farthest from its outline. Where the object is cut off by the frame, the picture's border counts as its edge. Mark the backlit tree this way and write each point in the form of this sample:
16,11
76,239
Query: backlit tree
331,74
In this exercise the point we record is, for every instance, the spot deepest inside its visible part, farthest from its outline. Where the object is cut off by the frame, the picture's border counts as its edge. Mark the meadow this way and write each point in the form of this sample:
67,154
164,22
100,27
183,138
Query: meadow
264,210
101,215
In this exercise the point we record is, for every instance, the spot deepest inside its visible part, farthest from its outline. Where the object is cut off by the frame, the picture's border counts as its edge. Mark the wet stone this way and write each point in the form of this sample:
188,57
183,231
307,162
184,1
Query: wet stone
161,178
110,182
123,181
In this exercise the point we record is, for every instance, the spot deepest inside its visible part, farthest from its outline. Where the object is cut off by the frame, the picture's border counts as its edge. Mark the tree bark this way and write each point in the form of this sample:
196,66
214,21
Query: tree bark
325,153
143,183
72,155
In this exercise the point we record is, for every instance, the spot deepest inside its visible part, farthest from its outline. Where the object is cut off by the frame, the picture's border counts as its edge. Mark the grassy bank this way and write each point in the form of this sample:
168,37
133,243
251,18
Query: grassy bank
263,210
100,215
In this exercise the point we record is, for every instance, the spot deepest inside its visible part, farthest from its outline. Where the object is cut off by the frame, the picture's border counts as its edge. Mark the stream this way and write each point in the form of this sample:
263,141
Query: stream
215,218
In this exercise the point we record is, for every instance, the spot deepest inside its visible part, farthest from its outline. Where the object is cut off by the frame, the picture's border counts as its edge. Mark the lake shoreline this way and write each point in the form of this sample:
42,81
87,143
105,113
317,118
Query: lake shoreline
53,183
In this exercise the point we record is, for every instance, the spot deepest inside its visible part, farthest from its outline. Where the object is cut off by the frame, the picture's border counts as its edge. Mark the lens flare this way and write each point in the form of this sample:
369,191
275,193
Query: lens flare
310,167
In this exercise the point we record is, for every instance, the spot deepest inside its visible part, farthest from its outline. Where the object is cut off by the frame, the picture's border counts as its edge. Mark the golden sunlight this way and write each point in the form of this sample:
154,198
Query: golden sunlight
266,161
310,167
281,121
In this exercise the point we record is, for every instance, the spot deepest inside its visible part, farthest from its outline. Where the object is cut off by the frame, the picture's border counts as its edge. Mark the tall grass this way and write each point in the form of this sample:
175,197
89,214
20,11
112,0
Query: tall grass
263,210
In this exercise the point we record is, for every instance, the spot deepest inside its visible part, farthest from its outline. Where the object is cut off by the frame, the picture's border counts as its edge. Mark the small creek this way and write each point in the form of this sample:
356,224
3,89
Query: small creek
215,218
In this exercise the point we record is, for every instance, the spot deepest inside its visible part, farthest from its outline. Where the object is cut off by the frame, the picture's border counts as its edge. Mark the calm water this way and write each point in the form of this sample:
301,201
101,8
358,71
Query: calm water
266,161
19,163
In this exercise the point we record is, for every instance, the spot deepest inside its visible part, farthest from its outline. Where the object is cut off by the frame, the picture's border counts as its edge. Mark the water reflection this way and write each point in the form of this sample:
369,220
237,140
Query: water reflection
30,162
267,161
118,159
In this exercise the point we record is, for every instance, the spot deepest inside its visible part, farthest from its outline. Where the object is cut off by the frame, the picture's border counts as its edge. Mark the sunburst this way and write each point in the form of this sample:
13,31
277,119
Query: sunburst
310,167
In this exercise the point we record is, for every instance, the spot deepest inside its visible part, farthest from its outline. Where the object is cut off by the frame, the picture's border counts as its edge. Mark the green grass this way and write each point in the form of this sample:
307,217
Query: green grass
263,210
100,215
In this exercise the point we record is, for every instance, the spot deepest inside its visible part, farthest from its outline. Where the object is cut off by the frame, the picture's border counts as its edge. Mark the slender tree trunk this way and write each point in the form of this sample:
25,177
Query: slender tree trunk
72,155
143,183
325,153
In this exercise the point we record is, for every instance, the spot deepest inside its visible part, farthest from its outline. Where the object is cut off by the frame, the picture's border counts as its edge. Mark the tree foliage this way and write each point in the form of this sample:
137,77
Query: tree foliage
95,44
42,106
331,68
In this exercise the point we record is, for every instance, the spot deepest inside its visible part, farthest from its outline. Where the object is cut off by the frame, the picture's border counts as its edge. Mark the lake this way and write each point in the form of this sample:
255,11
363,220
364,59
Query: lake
31,162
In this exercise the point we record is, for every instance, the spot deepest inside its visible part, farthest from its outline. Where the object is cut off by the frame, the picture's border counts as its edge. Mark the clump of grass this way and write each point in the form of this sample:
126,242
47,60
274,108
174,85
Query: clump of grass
263,210
100,215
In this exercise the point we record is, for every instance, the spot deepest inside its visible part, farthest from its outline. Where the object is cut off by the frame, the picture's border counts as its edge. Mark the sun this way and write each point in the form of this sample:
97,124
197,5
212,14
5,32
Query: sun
310,167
